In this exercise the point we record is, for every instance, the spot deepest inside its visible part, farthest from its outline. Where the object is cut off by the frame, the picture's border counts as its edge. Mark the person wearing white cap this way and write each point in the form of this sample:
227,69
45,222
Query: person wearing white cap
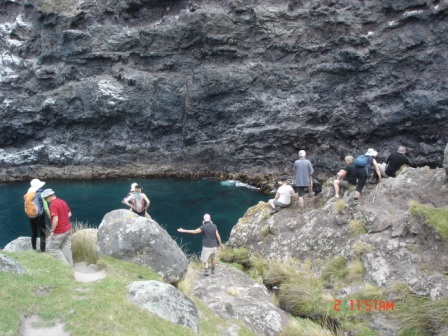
210,241
36,208
364,165
60,242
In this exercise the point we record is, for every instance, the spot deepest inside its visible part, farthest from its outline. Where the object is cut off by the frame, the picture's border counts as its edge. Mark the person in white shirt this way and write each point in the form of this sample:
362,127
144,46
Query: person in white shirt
283,196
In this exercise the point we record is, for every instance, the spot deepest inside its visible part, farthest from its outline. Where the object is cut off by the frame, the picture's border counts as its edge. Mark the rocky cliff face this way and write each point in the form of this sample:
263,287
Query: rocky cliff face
219,85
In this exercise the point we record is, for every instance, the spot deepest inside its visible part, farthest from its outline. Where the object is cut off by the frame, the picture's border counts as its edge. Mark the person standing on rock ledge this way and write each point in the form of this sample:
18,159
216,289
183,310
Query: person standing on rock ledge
39,207
210,241
60,244
303,170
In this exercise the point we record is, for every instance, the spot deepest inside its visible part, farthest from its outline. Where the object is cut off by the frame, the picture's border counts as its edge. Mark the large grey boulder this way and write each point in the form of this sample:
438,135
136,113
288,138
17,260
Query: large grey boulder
165,301
8,264
231,294
124,235
20,244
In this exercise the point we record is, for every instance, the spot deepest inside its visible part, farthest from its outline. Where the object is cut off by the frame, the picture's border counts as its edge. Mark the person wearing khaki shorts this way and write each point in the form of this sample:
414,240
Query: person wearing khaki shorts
210,241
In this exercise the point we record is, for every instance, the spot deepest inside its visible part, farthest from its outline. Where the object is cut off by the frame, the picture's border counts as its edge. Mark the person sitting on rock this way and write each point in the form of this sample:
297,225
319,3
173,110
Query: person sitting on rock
140,202
283,196
394,162
345,177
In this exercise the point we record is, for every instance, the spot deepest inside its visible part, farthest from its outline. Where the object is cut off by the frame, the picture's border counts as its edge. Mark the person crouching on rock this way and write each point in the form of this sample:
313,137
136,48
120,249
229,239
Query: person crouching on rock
345,177
282,197
210,241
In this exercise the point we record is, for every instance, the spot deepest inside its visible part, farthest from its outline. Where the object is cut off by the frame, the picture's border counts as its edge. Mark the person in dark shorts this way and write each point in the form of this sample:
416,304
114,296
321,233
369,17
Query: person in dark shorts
303,171
345,177
210,241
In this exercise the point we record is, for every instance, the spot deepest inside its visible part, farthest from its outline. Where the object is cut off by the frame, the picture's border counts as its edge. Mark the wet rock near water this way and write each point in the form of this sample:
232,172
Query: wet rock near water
215,86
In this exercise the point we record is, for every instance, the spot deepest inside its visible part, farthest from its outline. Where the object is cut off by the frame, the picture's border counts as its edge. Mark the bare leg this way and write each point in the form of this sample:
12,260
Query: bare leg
336,188
301,202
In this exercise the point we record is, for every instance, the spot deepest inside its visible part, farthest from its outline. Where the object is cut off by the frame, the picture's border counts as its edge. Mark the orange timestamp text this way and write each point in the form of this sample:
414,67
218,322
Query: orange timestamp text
366,305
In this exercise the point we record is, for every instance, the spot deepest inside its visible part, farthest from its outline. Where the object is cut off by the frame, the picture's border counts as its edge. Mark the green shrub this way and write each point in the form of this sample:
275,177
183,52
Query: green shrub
278,273
303,296
437,218
335,268
421,316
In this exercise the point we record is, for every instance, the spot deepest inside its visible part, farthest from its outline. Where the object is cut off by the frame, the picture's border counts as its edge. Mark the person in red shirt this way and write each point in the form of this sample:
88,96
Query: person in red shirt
60,245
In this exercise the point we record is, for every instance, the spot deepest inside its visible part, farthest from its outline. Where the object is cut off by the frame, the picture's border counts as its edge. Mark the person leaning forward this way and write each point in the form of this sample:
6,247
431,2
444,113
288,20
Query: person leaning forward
345,177
210,241
60,242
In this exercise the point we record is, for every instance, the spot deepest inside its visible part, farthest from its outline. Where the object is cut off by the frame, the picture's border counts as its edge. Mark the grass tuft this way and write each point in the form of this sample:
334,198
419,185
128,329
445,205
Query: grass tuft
339,206
84,243
356,271
300,326
356,228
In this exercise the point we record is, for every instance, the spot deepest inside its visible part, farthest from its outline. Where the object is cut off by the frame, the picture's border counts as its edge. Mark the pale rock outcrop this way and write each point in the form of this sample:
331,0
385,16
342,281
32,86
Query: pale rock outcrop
231,294
400,247
124,235
8,264
20,244
165,301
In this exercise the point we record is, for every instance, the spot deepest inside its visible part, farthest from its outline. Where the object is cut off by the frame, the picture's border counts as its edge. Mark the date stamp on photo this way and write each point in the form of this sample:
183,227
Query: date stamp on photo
366,305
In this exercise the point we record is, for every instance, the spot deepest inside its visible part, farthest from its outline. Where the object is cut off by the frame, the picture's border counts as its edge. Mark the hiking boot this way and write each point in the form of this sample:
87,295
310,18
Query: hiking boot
356,201
213,270
206,272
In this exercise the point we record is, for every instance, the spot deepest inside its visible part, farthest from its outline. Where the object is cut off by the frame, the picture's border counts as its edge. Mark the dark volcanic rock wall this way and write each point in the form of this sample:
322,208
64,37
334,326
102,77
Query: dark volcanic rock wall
220,85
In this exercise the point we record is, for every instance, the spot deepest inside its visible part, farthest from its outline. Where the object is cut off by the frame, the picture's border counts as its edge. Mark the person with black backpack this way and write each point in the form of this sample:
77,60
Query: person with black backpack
365,165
